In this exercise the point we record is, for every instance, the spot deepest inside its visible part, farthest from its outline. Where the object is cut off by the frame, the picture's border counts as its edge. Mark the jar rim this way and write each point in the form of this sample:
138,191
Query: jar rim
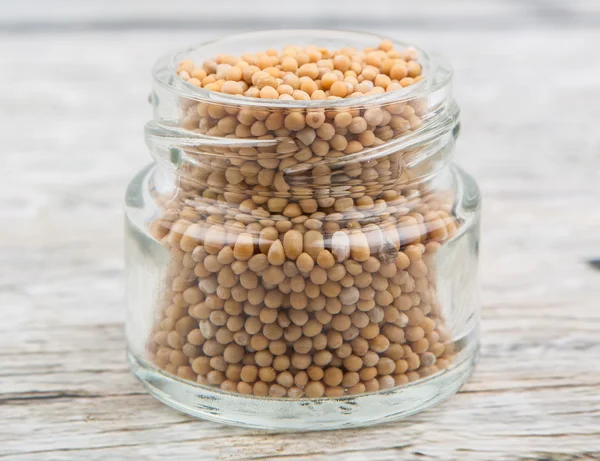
437,73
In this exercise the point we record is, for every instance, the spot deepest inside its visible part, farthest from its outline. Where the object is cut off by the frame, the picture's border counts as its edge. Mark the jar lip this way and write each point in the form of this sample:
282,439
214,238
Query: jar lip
437,71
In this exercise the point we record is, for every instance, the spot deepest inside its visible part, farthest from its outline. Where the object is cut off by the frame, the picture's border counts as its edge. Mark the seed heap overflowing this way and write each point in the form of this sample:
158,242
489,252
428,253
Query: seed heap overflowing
309,73
302,261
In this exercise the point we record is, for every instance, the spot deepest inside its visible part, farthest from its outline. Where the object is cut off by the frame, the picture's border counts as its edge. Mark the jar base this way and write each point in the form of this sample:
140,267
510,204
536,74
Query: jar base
305,414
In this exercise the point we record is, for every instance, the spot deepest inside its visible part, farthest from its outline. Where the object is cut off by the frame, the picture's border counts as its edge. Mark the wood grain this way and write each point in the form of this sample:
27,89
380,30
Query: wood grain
73,104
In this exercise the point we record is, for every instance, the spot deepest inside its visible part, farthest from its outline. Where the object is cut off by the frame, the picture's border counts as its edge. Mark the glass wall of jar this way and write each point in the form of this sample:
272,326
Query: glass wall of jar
302,264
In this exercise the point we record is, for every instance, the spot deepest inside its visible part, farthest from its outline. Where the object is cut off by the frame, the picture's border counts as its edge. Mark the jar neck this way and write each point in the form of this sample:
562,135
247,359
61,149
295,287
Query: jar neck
413,158
406,136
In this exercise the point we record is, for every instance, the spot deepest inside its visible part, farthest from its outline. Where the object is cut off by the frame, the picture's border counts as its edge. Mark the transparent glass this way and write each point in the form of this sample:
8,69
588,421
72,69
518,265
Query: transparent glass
286,272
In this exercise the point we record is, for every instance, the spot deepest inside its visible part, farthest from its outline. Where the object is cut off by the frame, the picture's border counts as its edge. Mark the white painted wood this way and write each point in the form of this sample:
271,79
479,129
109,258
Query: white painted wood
155,11
60,15
72,108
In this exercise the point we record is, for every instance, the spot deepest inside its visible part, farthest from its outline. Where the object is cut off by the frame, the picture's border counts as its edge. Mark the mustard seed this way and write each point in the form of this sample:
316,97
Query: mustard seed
328,79
289,64
276,255
281,363
231,87
267,92
339,89
349,296
341,322
244,247
301,361
308,70
295,121
263,358
285,379
414,333
260,389
311,328
314,389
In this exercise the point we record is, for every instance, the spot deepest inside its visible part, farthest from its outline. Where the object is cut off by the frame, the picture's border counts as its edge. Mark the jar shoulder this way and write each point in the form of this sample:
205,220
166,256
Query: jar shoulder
133,193
468,194
140,207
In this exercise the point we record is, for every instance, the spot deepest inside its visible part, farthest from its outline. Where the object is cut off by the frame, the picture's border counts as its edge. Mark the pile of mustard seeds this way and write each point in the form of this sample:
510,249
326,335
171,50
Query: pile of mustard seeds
298,268
308,73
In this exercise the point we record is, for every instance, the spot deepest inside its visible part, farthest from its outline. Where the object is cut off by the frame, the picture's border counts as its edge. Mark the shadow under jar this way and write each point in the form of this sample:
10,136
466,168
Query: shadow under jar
302,264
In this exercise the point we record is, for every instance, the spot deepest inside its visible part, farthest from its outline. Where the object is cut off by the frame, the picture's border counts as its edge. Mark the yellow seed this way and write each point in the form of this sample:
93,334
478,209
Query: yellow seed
399,71
315,119
325,260
314,389
292,80
231,87
276,255
308,70
307,135
234,73
386,45
382,81
285,89
293,244
305,262
339,89
268,92
369,73
343,119
227,125
308,86
373,116
198,73
274,122
258,263
313,243
213,87
414,69
244,247
341,62
328,79
300,95
295,121
273,275
289,64
192,237
358,125
343,204
266,238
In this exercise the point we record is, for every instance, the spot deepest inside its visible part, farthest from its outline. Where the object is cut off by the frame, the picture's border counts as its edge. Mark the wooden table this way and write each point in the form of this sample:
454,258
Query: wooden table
74,80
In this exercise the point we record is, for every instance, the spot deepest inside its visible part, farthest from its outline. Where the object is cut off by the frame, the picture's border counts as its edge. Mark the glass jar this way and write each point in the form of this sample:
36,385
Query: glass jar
302,264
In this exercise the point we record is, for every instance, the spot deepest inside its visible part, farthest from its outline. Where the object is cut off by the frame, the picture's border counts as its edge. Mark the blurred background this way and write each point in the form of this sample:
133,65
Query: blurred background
74,83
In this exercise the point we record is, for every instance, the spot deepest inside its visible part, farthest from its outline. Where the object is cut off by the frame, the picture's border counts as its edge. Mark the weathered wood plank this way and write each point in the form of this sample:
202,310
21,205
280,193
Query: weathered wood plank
76,104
